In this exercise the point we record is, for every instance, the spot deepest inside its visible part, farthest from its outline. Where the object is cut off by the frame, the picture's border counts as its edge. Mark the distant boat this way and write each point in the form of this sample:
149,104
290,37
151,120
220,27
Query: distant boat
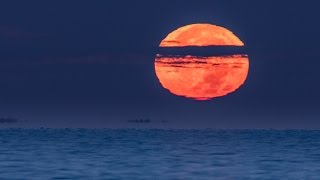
8,120
139,121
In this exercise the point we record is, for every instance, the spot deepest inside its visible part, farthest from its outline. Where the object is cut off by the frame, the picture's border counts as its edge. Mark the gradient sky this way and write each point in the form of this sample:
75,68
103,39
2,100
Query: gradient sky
90,63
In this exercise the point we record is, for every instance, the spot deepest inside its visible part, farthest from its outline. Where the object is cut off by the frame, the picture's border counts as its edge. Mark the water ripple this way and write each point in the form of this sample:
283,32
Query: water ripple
158,154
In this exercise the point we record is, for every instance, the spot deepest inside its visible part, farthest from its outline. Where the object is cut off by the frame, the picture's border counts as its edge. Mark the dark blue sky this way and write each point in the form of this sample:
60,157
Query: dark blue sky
91,62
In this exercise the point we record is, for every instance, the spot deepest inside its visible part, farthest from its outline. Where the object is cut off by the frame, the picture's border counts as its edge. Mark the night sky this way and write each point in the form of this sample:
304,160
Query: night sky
91,64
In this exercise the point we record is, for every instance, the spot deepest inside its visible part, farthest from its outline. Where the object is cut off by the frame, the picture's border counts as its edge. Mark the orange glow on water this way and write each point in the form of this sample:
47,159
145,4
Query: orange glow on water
202,78
201,35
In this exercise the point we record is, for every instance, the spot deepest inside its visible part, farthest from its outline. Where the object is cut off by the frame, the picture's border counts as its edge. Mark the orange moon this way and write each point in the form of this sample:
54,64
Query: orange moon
201,77
201,35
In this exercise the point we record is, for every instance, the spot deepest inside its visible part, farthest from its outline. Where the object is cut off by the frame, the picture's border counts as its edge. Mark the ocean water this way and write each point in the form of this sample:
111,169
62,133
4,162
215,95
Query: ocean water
159,154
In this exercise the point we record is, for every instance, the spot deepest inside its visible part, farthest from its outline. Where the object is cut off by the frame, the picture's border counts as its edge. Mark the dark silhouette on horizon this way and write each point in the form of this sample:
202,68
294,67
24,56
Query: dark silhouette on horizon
8,120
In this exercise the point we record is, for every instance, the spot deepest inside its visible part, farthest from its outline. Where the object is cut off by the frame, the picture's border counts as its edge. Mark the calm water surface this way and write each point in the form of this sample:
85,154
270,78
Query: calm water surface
159,154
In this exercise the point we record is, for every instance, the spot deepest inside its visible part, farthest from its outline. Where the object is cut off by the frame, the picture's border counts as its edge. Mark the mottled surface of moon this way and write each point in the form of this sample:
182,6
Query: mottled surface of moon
201,35
202,78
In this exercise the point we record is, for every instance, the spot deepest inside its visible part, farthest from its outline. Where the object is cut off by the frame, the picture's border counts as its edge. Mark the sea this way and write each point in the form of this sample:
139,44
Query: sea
159,154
